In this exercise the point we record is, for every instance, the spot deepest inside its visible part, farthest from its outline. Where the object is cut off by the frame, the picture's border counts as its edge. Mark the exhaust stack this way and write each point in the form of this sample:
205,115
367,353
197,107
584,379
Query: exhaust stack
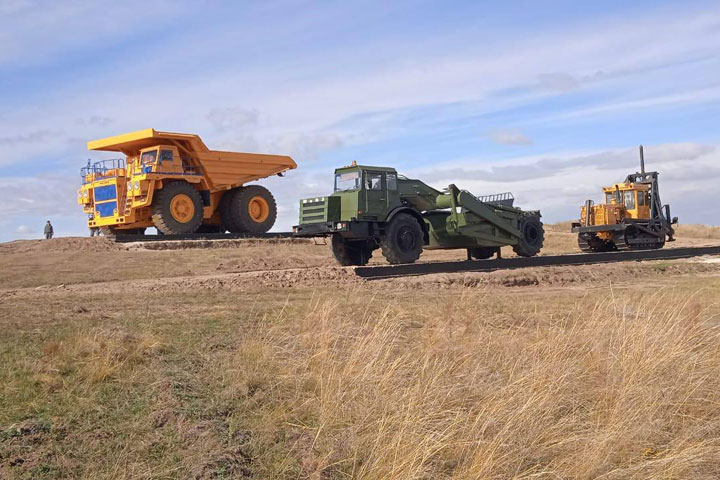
642,160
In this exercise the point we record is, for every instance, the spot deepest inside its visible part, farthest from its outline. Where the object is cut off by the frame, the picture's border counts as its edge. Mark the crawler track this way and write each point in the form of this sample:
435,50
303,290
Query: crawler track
197,236
389,271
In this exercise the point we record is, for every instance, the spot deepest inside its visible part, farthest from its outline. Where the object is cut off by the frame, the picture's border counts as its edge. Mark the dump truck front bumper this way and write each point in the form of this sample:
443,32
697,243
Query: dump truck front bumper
324,229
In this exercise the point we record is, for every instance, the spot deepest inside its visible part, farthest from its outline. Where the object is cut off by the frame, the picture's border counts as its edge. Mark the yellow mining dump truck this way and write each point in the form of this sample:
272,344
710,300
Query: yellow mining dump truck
174,182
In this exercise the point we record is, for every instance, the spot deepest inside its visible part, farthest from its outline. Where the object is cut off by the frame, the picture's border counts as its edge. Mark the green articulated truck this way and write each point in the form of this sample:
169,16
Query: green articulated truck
374,207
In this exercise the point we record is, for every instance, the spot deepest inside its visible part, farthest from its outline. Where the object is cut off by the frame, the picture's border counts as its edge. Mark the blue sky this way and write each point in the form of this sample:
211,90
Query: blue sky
548,99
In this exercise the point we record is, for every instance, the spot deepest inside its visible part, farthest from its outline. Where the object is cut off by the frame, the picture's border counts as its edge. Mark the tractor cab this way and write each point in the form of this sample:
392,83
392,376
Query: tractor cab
631,200
366,192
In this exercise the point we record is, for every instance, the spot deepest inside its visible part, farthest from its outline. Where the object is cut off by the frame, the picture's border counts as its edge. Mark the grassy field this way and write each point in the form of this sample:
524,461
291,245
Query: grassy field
581,373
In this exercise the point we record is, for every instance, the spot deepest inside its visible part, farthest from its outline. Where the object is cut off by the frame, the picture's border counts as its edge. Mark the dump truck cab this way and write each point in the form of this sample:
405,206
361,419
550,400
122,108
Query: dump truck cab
174,182
373,207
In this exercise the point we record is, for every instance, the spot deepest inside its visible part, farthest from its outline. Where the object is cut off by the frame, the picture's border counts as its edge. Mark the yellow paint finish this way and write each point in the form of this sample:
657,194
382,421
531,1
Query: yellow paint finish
180,156
182,208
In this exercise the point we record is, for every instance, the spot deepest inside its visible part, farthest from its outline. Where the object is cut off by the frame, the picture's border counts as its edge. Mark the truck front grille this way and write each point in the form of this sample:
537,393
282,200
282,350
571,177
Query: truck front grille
313,210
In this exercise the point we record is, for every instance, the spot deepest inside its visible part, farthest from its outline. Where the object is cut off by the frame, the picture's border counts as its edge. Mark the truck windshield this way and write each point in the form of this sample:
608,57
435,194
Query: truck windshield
347,181
148,158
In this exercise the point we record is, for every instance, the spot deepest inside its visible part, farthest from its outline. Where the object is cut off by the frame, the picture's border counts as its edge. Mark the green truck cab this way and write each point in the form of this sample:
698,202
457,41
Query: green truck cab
374,207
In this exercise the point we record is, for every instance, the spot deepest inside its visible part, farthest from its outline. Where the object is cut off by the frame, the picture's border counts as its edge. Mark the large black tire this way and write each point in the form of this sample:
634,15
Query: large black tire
533,236
483,253
351,253
403,240
229,221
177,209
250,209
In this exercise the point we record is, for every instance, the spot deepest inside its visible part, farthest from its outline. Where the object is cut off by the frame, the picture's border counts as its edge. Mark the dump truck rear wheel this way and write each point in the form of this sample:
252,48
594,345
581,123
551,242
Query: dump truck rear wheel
403,240
482,253
251,209
177,209
533,236
229,220
350,253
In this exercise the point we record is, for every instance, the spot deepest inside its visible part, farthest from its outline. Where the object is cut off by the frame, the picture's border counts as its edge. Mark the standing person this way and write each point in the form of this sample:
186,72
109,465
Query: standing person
48,230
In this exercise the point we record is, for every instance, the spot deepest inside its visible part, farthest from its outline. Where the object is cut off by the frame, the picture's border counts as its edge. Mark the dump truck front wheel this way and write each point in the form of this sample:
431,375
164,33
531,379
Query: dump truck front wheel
533,235
177,209
349,253
403,240
250,209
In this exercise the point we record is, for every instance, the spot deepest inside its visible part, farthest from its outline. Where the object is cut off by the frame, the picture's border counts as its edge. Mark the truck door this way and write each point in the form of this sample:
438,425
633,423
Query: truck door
375,194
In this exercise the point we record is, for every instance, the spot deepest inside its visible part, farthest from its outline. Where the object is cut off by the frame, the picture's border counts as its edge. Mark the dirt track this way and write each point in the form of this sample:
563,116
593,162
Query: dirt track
255,265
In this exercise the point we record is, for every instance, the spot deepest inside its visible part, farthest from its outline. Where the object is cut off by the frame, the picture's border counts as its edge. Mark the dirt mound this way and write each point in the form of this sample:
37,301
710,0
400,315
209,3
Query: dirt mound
212,244
560,276
60,244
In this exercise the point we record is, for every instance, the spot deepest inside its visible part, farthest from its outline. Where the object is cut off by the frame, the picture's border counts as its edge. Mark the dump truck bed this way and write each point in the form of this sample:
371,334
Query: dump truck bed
222,169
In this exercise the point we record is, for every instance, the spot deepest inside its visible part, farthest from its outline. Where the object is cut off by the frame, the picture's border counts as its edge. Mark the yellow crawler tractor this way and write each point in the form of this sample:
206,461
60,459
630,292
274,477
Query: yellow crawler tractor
174,182
632,217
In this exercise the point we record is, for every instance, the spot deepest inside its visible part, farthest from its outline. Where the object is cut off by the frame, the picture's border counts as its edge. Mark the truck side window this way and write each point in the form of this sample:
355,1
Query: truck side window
641,199
166,156
630,200
373,181
148,158
391,181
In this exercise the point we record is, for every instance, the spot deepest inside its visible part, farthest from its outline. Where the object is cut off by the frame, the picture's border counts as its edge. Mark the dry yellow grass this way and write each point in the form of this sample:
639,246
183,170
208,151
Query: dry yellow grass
612,376
614,389
698,231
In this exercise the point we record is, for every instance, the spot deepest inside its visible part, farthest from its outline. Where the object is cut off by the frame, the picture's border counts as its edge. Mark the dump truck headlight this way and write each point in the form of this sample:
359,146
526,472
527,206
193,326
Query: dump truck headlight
340,226
137,185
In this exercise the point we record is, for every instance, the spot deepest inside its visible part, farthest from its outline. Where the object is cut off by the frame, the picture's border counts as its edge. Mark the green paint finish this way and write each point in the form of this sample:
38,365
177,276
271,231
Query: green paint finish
453,218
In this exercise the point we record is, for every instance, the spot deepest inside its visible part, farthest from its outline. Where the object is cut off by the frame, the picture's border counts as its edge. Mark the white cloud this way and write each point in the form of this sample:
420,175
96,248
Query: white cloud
36,136
24,229
559,185
233,118
41,195
37,33
260,91
96,120
507,136
558,82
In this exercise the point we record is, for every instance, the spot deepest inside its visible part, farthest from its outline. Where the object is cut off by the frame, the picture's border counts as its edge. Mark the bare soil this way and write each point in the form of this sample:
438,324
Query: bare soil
264,359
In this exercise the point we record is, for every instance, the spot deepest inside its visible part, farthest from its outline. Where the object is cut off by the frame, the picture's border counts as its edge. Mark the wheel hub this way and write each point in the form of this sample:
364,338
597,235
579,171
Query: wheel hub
258,209
182,208
406,239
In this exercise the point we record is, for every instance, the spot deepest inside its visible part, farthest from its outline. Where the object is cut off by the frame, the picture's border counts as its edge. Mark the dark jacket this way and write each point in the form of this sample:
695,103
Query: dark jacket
48,228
